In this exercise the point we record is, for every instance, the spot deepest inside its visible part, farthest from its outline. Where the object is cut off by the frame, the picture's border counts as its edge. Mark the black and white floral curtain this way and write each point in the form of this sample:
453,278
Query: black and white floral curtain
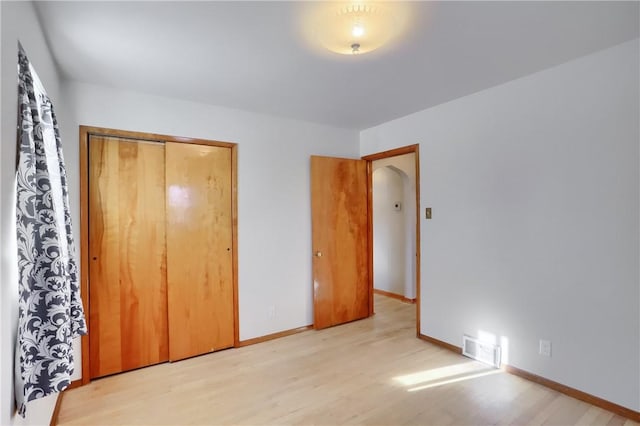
50,309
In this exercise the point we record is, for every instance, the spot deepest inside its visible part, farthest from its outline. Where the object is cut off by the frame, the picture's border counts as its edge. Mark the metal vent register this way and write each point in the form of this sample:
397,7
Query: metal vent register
481,351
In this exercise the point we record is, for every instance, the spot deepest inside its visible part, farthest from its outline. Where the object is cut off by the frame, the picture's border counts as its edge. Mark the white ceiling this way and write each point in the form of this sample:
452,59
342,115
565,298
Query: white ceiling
253,56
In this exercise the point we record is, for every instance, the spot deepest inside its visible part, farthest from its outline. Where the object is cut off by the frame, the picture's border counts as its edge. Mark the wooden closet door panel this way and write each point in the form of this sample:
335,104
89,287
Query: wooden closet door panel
199,252
127,252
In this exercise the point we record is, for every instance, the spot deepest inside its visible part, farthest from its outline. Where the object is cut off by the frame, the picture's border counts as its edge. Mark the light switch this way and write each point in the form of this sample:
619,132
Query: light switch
427,212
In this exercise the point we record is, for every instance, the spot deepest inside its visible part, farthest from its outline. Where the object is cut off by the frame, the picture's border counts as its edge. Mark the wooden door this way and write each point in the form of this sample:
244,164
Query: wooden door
341,270
127,258
199,249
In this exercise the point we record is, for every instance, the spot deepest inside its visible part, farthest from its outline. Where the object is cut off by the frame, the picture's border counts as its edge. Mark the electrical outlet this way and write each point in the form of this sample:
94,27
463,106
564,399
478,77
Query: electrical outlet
272,312
545,348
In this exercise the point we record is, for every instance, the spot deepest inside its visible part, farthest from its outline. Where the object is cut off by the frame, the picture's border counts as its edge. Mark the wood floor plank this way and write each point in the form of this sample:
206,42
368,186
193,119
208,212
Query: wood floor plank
369,372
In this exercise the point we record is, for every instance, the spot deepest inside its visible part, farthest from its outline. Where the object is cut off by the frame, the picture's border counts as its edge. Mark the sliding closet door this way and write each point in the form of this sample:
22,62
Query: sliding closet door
199,252
127,255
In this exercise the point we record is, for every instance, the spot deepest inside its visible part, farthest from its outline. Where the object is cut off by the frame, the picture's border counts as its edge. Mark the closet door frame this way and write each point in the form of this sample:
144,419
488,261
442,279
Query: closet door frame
85,133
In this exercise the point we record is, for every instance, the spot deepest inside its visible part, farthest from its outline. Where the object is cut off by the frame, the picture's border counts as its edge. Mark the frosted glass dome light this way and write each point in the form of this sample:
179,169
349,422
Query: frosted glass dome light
358,27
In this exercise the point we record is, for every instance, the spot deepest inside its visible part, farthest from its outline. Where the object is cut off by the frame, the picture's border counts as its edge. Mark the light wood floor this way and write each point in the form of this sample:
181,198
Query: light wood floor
372,372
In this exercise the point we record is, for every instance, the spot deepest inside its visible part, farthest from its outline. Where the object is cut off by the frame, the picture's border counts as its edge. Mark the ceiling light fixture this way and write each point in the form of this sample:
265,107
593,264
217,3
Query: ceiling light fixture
356,27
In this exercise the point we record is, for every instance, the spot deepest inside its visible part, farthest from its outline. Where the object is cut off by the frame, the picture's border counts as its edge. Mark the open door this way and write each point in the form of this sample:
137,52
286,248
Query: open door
340,234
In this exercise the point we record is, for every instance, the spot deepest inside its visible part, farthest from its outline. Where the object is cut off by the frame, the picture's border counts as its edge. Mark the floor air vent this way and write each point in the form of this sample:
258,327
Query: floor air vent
482,351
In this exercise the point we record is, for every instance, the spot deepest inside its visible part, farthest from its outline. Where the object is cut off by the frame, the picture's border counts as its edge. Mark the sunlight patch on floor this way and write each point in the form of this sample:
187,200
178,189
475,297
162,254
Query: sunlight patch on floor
444,375
487,372
438,373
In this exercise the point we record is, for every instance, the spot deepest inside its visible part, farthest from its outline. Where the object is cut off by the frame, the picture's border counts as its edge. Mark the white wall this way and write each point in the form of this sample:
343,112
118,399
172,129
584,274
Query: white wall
19,22
535,188
388,231
274,213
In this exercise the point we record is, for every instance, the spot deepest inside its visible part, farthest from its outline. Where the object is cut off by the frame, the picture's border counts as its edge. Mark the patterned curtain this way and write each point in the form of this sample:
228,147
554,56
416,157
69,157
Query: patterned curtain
50,309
